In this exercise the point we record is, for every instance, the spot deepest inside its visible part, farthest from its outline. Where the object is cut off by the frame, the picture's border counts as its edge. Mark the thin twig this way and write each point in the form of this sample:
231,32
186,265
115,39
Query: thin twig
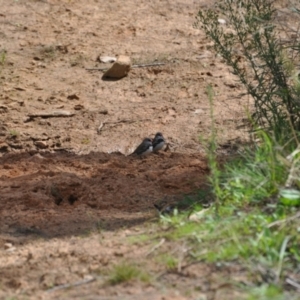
148,65
156,247
125,121
293,283
100,127
68,285
115,123
279,222
51,114
182,255
133,66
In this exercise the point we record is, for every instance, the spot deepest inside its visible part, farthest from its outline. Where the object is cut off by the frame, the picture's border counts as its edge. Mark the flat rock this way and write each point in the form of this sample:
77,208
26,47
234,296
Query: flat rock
36,158
107,59
195,163
39,136
119,69
41,144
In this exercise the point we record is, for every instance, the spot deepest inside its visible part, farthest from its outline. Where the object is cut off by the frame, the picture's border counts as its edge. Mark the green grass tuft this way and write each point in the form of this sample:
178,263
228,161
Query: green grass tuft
2,58
14,133
126,272
168,260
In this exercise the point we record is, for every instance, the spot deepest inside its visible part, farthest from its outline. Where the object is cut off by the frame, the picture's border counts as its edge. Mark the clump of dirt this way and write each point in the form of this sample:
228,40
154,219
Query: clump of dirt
62,194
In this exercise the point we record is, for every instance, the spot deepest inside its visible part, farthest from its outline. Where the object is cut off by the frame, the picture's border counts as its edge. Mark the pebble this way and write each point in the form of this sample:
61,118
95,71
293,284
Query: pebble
41,144
119,69
107,59
7,245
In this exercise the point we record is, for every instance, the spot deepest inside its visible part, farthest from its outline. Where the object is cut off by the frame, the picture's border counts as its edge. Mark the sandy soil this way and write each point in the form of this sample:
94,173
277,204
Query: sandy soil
70,196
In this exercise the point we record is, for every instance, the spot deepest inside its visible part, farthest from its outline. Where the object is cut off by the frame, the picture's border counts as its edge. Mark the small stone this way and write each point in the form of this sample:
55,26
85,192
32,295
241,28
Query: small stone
197,216
199,111
39,136
78,107
36,158
63,251
94,268
7,245
12,249
119,69
231,84
44,122
3,130
3,147
195,163
3,108
27,119
41,144
107,59
22,43
73,97
103,111
221,21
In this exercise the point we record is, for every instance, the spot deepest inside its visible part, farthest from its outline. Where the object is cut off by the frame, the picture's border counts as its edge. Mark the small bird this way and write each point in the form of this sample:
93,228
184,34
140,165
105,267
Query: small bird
144,148
158,142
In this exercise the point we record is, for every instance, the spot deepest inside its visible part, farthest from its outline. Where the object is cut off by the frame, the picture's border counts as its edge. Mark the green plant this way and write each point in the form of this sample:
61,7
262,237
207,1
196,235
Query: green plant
168,260
215,173
14,133
125,272
136,239
249,43
250,227
266,292
256,174
2,57
49,51
85,141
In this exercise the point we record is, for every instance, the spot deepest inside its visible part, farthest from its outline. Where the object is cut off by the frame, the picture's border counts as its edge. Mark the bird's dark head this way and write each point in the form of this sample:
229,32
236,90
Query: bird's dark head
158,134
147,140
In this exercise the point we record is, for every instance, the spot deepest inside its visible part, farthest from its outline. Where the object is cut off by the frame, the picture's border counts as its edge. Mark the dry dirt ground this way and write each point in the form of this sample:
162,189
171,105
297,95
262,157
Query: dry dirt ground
70,197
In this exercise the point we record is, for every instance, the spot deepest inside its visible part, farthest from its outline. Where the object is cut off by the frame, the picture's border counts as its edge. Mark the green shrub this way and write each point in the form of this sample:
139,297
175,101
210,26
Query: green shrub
250,44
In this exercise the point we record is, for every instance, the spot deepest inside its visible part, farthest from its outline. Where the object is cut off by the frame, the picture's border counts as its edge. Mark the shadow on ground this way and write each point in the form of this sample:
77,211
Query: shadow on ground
50,195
